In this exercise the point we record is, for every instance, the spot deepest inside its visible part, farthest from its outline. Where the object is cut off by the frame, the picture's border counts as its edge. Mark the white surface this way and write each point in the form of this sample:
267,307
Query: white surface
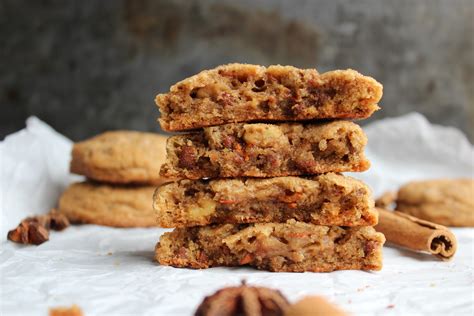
110,271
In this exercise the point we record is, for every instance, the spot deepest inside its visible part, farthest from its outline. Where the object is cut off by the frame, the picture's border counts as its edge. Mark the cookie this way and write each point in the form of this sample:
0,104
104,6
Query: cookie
448,202
108,205
279,247
74,310
266,150
242,93
120,157
328,199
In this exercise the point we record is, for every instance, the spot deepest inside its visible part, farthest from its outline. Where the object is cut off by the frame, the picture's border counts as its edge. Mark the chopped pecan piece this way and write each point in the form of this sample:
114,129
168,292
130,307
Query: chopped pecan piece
228,141
305,165
273,160
225,99
203,257
369,247
187,157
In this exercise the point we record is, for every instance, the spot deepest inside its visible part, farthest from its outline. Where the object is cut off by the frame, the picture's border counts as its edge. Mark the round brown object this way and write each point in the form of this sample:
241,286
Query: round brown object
447,202
314,306
102,204
243,301
121,157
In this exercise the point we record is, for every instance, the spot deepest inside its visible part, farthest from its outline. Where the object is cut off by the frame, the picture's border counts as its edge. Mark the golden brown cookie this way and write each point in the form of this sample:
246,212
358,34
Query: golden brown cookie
279,247
242,93
102,204
326,199
447,202
121,157
266,150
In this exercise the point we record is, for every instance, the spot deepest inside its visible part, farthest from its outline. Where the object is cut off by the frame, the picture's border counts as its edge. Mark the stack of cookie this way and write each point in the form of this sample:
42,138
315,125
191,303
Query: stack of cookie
122,173
270,194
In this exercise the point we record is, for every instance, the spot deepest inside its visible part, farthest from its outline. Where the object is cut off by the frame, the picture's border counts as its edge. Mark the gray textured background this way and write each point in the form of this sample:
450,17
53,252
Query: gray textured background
88,66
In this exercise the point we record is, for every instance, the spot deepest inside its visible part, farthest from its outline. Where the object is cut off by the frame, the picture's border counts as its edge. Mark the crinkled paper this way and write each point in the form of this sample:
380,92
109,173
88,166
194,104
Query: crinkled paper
109,271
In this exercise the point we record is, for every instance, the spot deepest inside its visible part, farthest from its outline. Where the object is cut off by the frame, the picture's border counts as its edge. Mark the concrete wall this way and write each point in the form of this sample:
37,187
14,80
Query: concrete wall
88,66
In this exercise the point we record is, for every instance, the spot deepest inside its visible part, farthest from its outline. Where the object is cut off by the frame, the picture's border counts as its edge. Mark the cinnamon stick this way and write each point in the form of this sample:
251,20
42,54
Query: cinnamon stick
416,234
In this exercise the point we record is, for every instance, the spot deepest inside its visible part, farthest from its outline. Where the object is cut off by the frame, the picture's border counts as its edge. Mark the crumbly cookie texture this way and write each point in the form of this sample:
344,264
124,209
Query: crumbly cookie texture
290,247
328,199
121,157
102,204
266,150
242,93
448,202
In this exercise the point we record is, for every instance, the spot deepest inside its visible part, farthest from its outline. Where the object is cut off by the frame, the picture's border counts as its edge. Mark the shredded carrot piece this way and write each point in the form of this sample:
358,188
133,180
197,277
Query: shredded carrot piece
228,201
246,259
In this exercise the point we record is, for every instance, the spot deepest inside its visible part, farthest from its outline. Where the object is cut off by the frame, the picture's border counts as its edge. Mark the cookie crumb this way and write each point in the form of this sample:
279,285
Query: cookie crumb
74,310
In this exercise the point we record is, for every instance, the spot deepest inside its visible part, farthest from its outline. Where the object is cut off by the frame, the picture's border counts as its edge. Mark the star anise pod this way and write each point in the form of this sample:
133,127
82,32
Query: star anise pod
29,231
35,230
243,300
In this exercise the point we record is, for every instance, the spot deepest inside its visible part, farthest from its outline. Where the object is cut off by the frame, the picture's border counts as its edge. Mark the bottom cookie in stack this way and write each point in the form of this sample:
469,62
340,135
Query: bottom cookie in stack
281,247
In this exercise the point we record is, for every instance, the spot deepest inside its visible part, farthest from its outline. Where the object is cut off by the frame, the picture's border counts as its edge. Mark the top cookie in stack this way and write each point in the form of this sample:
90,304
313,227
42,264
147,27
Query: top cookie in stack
244,93
252,121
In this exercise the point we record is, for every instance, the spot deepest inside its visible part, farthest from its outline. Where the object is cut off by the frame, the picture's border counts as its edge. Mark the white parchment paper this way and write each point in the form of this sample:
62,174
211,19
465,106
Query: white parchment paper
109,271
